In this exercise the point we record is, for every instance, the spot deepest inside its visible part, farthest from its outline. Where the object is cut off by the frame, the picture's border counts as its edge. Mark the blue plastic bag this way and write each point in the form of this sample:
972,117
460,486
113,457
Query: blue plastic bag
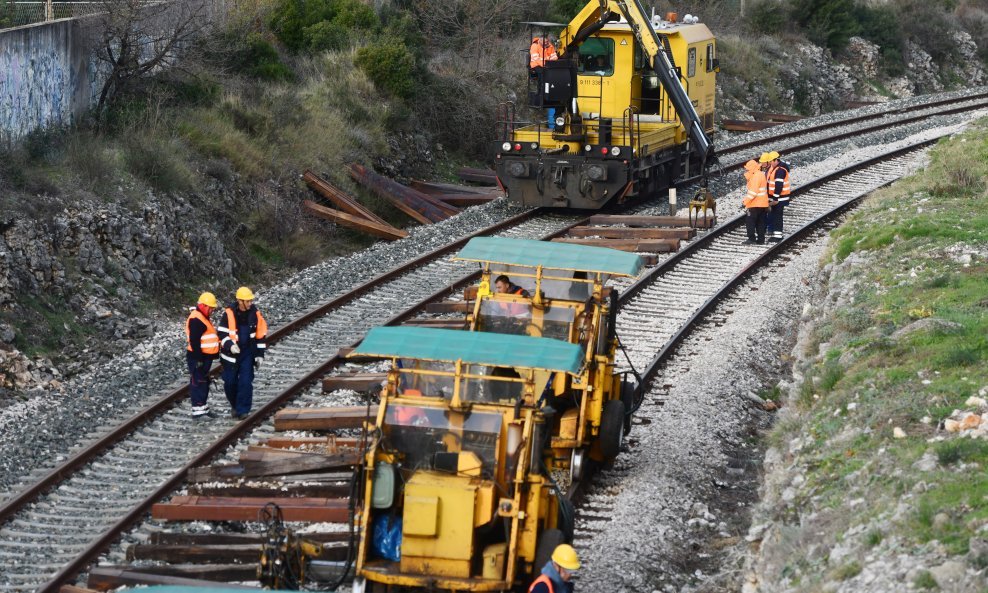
387,537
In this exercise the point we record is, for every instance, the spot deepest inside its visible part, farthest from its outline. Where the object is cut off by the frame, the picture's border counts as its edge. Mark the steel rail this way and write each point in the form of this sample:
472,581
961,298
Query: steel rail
84,558
758,263
855,119
852,133
84,456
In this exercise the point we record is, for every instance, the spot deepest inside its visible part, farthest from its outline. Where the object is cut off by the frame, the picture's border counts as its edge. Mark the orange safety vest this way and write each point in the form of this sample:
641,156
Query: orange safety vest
542,579
757,196
772,182
209,343
231,331
539,54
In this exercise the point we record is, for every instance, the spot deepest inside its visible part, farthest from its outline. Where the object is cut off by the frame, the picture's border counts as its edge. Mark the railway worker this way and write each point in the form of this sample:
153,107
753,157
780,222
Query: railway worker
778,192
202,348
243,344
557,572
542,51
756,202
503,285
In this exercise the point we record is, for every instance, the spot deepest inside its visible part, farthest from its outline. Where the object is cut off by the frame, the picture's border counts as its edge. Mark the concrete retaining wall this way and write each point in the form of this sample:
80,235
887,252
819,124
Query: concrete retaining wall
47,76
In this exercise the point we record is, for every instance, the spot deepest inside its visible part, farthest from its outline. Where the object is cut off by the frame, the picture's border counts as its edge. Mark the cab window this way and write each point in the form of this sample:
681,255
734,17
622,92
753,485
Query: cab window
691,63
597,57
710,57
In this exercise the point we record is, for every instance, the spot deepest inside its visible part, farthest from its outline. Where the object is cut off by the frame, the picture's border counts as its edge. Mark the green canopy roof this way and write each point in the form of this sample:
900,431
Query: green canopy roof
555,256
449,345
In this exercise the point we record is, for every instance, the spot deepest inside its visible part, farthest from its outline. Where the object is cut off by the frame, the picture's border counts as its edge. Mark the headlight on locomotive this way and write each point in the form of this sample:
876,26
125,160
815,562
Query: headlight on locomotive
518,169
596,172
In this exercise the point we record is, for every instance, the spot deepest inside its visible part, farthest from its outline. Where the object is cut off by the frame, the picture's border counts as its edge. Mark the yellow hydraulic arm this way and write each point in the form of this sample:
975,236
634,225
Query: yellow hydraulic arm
592,18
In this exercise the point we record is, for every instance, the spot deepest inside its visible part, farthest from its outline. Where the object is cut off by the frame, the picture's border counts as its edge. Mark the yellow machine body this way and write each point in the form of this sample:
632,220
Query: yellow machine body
623,135
468,476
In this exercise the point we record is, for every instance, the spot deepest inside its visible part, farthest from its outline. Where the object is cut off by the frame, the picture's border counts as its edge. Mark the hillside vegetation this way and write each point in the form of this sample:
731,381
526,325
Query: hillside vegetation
877,476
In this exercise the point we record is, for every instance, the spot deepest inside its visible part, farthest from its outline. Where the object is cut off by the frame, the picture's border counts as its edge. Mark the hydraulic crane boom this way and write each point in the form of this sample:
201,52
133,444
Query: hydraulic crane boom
642,29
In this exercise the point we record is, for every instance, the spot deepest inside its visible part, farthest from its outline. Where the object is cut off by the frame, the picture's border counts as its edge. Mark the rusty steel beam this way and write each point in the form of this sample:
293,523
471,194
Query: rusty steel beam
746,125
474,175
632,245
384,231
780,117
419,206
435,188
632,232
644,221
322,418
224,508
340,198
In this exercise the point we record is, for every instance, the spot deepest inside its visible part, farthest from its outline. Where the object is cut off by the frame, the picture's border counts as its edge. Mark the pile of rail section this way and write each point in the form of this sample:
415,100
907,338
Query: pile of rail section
637,233
424,202
309,478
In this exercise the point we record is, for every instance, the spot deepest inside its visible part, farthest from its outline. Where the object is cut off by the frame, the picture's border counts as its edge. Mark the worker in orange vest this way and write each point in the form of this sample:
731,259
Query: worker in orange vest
756,202
558,571
202,346
244,343
778,192
542,51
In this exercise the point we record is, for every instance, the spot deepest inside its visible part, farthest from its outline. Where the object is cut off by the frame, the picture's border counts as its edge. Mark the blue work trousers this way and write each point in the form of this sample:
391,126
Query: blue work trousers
238,383
775,218
198,381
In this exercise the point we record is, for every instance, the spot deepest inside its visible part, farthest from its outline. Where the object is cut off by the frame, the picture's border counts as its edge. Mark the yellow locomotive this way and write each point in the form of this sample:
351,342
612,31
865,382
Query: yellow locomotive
628,106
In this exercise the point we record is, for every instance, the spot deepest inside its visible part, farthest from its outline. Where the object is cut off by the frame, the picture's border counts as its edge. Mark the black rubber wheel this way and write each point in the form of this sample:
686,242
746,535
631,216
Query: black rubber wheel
547,544
611,429
628,389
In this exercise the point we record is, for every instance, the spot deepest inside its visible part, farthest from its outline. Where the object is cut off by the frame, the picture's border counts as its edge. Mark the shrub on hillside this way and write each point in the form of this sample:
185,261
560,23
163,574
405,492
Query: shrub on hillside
390,65
880,25
828,23
767,17
929,24
258,58
321,24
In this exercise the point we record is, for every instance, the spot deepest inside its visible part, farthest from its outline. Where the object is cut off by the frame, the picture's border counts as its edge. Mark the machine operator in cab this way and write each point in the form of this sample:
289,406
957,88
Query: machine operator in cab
557,573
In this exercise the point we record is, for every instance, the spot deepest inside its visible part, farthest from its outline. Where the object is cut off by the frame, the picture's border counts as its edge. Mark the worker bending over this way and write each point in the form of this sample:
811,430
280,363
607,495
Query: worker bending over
202,346
557,572
243,344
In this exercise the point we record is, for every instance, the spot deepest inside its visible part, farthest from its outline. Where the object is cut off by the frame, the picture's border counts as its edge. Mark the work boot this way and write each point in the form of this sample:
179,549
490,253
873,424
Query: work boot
748,242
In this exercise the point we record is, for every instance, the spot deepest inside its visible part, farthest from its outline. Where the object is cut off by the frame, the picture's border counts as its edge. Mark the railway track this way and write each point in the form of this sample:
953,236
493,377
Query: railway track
76,524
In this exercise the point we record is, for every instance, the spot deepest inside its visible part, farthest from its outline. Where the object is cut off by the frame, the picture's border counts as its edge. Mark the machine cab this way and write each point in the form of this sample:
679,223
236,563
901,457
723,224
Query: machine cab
557,290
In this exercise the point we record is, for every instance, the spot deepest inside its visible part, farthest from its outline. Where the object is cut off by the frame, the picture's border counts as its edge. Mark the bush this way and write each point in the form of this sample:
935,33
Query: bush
829,23
767,17
927,23
880,25
295,23
159,163
390,65
258,58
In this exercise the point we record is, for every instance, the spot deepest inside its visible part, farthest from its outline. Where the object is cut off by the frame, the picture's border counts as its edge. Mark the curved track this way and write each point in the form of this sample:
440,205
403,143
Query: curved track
48,538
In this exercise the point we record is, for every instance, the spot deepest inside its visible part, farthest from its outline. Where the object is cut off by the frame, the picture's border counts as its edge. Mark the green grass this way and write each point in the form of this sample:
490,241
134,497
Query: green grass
914,234
925,580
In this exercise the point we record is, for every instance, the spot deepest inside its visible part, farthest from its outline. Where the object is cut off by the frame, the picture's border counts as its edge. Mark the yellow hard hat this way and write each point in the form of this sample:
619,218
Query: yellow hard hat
244,294
768,157
564,555
208,299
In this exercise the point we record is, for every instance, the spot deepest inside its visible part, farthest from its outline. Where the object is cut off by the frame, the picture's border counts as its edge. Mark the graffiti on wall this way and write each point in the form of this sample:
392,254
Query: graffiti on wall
46,78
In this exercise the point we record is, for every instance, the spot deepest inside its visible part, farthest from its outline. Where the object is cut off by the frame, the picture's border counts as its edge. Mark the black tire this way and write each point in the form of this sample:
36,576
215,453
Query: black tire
611,429
547,544
628,390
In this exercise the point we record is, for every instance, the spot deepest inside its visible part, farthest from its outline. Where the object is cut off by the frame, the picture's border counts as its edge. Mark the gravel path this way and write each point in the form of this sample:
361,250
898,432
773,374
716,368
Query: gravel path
682,488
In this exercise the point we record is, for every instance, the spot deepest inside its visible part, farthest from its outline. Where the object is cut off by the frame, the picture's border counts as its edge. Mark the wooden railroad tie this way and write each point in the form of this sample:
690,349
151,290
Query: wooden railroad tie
323,418
632,245
232,508
632,232
634,220
105,578
280,467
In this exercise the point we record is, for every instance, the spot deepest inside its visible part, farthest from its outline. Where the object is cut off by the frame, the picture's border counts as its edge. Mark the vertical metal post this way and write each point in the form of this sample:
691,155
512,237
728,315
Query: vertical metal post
49,11
672,201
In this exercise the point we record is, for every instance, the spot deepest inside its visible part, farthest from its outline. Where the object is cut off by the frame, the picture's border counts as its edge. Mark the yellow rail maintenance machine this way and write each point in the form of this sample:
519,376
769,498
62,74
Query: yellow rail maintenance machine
625,110
563,296
456,495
